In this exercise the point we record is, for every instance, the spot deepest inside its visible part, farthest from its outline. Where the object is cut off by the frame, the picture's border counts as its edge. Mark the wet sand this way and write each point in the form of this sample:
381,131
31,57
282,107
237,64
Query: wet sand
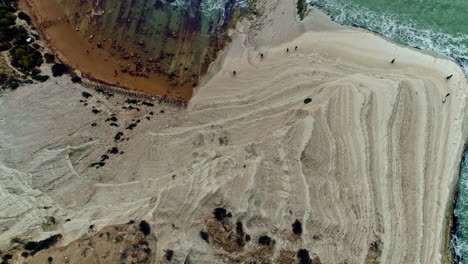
96,63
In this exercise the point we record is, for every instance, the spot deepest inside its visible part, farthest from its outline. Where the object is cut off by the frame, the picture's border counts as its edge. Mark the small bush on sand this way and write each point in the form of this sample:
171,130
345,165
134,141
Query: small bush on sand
59,69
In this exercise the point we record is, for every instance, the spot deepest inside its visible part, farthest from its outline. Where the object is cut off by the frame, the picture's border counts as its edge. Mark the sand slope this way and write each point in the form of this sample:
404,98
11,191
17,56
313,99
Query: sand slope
368,167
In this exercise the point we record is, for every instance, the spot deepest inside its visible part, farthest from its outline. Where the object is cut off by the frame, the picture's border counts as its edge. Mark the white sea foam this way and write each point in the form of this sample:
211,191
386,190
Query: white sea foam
405,32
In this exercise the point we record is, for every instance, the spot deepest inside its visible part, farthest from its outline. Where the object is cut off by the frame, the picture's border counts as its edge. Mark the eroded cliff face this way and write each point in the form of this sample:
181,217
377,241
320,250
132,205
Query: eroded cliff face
176,38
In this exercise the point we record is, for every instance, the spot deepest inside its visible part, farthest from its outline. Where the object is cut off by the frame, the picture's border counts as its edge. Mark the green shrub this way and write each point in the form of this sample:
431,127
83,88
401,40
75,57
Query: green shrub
41,78
59,69
25,17
49,58
301,8
12,84
25,58
5,46
3,78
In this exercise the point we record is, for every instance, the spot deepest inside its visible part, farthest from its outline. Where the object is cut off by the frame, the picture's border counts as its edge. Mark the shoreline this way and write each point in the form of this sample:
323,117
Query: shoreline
456,60
446,250
453,219
357,27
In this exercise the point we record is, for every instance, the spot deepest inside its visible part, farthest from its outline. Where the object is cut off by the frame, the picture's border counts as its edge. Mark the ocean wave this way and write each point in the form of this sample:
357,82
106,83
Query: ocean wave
398,28
459,239
208,7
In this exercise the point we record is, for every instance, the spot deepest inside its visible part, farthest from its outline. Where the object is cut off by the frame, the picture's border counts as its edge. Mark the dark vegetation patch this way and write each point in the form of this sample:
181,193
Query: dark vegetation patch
113,119
297,227
86,95
76,79
35,247
168,255
7,18
16,35
130,107
40,78
145,228
24,16
131,126
25,58
148,104
374,253
97,165
3,78
239,229
221,214
131,101
301,8
118,137
113,150
59,69
49,58
303,256
24,53
264,240
204,235
240,234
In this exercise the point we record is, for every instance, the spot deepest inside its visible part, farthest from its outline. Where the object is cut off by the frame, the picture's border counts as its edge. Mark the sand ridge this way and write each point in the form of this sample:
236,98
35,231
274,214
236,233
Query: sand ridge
368,166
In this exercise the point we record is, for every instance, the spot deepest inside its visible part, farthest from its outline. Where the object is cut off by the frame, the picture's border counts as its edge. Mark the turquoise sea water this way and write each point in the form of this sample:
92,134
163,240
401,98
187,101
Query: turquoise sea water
460,236
440,26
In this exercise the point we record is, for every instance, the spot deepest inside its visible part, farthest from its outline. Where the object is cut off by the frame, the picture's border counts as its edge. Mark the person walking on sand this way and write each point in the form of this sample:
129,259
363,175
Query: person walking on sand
261,55
234,73
445,98
295,48
287,50
393,61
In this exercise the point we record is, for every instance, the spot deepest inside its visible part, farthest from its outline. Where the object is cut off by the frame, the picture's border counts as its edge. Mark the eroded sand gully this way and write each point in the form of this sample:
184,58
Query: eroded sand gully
368,167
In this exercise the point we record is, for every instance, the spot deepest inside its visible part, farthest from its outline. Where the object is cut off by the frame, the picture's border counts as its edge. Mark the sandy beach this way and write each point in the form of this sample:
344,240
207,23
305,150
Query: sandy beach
363,153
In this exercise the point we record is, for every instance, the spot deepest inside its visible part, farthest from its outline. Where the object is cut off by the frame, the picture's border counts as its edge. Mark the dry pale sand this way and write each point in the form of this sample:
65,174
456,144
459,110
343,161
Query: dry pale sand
368,167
